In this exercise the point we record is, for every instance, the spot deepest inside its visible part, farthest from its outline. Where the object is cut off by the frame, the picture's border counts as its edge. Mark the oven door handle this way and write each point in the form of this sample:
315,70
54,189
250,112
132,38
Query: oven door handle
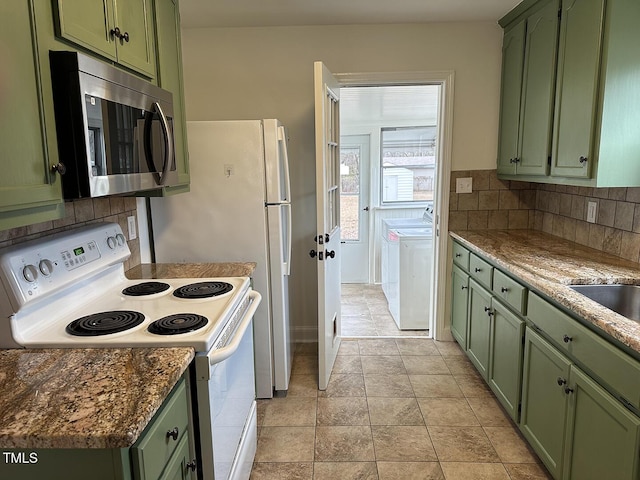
221,354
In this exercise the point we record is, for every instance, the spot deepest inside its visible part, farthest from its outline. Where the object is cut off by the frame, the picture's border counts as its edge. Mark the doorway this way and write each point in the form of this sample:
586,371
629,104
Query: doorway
400,127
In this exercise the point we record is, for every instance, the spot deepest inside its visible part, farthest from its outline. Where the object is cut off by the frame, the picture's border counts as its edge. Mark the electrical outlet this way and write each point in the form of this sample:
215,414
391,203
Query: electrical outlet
592,211
133,233
464,185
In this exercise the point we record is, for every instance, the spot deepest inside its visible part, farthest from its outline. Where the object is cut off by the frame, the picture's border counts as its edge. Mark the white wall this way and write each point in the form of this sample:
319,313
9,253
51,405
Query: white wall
246,73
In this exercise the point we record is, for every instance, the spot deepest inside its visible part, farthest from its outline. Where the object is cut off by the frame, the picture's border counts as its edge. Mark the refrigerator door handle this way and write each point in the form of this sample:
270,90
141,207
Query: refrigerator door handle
287,265
282,137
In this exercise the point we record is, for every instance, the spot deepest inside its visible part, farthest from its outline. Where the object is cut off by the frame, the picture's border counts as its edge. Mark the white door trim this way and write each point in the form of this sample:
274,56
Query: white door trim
441,329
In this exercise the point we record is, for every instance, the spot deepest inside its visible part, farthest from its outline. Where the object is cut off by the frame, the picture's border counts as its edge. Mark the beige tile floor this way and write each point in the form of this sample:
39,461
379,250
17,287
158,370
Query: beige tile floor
395,409
365,313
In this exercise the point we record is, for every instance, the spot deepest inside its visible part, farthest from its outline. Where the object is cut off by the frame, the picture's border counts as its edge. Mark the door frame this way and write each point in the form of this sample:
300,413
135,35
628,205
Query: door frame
440,328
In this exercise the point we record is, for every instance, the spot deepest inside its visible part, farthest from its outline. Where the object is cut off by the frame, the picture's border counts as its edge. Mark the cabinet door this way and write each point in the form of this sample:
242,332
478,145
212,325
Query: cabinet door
602,435
169,57
459,305
87,23
176,468
538,89
479,326
512,63
577,85
505,364
29,193
544,401
134,18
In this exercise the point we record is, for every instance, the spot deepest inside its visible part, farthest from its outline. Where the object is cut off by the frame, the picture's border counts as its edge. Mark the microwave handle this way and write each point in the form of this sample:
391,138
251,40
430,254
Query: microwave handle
168,143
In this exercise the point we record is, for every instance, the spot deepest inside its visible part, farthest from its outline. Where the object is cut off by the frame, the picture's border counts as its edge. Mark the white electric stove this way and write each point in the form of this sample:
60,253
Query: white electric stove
69,291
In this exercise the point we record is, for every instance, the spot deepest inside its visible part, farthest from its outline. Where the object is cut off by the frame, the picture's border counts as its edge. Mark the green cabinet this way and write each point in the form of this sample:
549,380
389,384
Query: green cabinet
596,107
479,327
459,305
577,87
29,191
526,104
120,30
579,430
544,402
169,61
505,357
602,436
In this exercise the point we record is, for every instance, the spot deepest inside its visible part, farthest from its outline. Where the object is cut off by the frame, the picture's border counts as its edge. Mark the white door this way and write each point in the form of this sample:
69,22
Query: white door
327,121
354,208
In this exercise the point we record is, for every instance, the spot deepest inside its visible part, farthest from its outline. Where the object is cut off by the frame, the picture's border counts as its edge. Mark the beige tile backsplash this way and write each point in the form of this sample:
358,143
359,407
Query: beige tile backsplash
556,209
78,213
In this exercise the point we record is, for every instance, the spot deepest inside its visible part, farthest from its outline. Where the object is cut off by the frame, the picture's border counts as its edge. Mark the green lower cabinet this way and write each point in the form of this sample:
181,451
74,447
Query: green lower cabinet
505,359
544,401
479,327
178,467
602,435
579,430
459,305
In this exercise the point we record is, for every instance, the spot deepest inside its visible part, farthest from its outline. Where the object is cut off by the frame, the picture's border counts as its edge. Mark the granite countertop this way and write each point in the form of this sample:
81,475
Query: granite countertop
191,270
549,264
84,398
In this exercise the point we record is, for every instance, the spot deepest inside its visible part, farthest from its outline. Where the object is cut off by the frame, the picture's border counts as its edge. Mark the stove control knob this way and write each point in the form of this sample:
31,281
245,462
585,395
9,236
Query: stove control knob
30,273
111,242
46,267
120,238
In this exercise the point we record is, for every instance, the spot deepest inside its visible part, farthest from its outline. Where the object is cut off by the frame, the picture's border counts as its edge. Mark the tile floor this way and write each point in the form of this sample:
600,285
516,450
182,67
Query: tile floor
365,313
395,409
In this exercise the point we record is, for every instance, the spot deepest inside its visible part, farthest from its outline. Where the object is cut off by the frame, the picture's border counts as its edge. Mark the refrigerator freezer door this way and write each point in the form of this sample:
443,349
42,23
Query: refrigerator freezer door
279,224
276,163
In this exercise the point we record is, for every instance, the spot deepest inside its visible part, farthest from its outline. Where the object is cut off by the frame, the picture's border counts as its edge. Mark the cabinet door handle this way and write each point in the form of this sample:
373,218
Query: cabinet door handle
566,338
458,255
583,160
173,433
568,390
464,287
59,167
504,289
561,381
125,37
192,465
477,270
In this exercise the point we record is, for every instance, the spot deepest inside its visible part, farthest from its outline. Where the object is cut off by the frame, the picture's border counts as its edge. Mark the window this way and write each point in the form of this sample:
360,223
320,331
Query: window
408,160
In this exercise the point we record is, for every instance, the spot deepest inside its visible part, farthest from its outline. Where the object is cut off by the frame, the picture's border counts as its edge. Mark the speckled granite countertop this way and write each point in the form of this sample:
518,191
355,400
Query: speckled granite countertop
550,264
191,270
84,398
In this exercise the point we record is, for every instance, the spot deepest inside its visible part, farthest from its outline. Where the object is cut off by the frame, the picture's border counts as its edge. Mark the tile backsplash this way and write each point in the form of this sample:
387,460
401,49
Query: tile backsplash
560,210
78,213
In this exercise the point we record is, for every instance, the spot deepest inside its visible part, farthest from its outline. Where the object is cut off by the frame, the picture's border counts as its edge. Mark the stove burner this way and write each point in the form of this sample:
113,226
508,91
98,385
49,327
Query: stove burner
145,288
178,323
104,323
203,290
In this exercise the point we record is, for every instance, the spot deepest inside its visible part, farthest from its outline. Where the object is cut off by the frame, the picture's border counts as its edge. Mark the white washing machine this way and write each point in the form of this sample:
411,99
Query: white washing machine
409,277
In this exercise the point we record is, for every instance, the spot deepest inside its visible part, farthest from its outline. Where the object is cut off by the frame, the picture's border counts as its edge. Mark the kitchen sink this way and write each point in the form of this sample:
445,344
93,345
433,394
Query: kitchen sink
623,299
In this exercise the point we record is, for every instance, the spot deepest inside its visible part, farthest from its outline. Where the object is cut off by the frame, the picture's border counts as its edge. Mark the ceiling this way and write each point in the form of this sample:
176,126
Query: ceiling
255,13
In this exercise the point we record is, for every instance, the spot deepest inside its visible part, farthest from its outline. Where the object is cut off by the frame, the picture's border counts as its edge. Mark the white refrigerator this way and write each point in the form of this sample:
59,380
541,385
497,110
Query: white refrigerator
238,209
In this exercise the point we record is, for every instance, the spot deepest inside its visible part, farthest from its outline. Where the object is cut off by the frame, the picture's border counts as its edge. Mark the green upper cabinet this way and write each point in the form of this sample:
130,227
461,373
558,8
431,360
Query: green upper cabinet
512,62
579,61
120,30
169,61
528,77
29,191
596,111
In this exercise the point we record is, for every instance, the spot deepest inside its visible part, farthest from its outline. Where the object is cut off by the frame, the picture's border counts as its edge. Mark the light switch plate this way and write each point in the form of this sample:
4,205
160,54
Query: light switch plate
133,233
592,211
464,185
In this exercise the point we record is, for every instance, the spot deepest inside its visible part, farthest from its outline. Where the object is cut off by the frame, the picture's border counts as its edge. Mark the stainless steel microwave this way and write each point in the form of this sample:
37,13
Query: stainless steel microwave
114,130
